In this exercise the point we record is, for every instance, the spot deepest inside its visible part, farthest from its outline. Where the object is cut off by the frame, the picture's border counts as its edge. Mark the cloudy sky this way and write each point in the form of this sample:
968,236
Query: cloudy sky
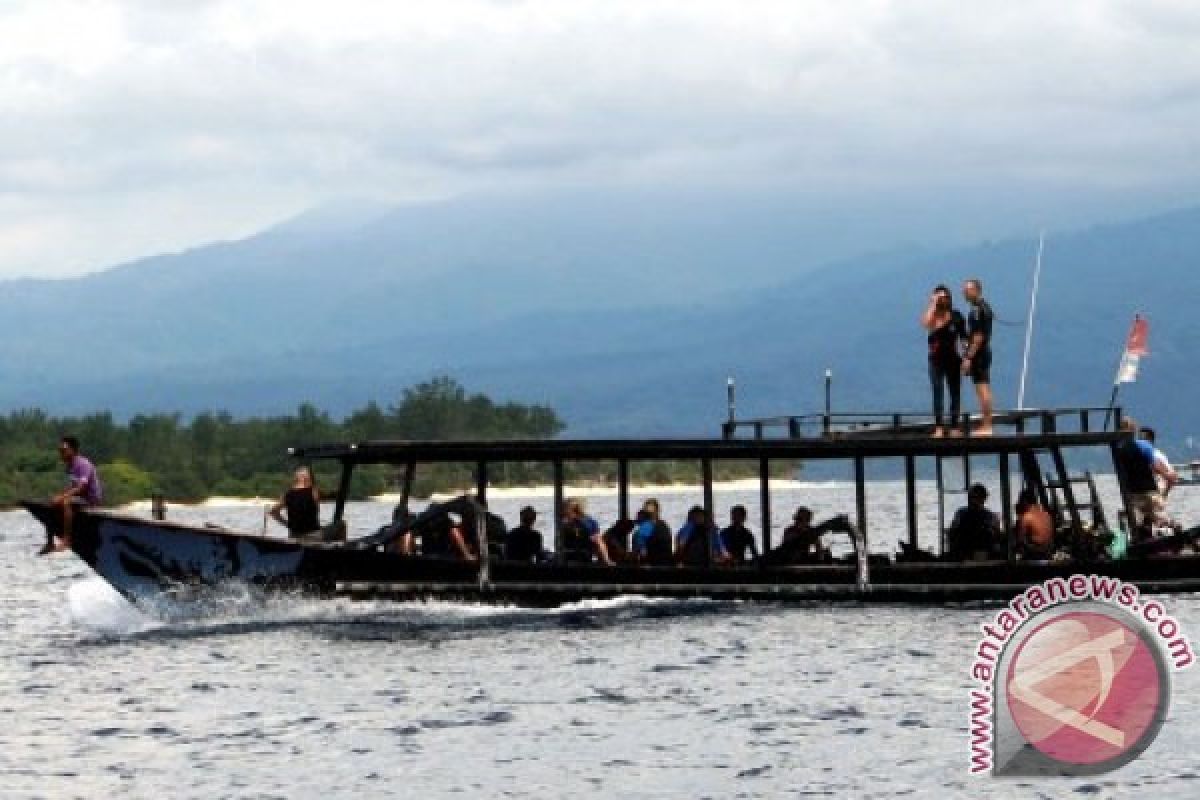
130,128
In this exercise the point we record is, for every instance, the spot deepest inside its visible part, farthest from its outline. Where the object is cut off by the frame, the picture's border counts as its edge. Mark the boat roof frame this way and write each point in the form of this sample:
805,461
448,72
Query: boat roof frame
549,450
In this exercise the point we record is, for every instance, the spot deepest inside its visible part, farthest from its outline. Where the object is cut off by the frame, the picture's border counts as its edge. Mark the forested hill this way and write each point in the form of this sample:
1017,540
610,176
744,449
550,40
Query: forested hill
215,454
612,316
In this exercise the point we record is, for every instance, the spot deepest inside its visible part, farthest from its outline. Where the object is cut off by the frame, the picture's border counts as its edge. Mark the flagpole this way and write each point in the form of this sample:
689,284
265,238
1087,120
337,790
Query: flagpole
1037,277
1135,348
1112,404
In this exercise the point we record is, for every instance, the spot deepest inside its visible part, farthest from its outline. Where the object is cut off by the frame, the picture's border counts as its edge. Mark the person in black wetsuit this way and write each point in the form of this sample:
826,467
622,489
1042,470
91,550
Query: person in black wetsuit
524,542
802,543
581,535
976,532
946,328
739,541
653,543
301,504
977,360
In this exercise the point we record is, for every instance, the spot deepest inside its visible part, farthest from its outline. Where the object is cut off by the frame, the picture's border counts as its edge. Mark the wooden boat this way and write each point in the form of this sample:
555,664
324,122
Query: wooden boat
1189,473
147,559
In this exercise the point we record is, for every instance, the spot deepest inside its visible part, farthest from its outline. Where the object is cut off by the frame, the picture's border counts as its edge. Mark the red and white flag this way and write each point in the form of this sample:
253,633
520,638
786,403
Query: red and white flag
1135,348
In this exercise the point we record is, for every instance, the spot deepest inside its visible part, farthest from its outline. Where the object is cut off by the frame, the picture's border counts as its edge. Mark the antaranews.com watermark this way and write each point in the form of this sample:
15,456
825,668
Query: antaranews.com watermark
1072,678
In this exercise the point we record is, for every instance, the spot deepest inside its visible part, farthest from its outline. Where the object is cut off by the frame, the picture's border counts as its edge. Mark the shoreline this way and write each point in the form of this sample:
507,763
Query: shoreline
507,492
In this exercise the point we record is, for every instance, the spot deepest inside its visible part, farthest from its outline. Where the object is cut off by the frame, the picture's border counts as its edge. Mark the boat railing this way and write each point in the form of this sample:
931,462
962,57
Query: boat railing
917,423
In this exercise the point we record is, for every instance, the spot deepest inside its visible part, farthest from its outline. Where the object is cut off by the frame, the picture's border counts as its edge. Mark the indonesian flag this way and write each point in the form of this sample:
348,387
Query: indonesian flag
1135,348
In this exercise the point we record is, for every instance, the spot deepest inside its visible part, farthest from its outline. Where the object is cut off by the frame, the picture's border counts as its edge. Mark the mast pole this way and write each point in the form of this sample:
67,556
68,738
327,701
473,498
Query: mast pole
1037,277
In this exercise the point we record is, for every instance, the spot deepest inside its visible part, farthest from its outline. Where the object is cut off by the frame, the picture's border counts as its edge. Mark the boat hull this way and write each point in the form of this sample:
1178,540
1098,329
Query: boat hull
146,559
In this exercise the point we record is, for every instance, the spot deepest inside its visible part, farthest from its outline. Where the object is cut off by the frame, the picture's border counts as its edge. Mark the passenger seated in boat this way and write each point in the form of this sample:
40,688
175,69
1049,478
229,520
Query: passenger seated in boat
581,535
405,543
652,540
302,504
524,543
802,543
460,538
737,538
616,540
975,533
1035,528
83,491
698,543
494,526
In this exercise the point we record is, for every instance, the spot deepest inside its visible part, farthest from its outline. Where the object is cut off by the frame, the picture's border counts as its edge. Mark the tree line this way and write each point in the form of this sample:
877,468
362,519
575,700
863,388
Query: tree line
216,454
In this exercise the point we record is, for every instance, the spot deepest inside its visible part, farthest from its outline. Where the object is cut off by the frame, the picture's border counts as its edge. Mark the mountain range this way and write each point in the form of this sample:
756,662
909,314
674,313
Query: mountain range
626,314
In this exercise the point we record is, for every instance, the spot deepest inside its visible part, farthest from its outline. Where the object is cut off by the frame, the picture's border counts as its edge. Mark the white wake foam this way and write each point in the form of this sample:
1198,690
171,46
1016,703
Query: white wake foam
94,605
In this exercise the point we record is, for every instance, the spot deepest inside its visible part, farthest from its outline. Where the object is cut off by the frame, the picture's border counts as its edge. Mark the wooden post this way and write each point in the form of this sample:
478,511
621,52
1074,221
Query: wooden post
1031,475
1126,500
764,500
910,498
941,490
1006,502
1060,466
481,483
410,471
339,505
558,508
623,488
860,493
485,558
706,470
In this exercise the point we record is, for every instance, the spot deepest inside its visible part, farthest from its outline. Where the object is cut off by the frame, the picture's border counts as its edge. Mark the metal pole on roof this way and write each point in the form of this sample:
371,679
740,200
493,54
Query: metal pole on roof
1037,278
828,399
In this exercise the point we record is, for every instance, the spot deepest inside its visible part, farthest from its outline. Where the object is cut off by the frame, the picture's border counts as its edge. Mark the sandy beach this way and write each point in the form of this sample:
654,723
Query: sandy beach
502,492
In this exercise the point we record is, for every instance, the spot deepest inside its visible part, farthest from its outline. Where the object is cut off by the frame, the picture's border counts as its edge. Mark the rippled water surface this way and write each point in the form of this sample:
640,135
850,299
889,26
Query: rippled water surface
290,697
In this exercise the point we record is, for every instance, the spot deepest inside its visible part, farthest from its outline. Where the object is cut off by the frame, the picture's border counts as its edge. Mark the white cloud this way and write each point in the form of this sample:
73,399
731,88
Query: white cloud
133,126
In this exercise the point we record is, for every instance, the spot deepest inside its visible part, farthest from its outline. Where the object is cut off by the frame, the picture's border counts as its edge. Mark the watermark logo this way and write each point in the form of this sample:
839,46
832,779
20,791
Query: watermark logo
1073,678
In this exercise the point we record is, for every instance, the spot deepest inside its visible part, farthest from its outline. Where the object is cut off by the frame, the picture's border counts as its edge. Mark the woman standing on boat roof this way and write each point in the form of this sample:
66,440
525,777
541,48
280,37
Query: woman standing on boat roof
301,502
946,327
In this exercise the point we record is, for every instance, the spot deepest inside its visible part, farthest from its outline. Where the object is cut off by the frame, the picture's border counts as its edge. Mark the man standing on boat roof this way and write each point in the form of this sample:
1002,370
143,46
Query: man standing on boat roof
946,328
977,360
83,490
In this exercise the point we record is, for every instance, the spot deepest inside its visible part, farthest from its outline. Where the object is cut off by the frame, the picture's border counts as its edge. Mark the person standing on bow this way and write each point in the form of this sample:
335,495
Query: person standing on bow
946,328
301,503
977,360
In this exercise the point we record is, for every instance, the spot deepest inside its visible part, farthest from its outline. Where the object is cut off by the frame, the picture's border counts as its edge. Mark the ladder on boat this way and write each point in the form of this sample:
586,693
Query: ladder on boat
1058,494
1045,471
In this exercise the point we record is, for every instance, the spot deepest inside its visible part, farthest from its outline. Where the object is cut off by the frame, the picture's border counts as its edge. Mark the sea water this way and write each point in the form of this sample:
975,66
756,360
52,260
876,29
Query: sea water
281,696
